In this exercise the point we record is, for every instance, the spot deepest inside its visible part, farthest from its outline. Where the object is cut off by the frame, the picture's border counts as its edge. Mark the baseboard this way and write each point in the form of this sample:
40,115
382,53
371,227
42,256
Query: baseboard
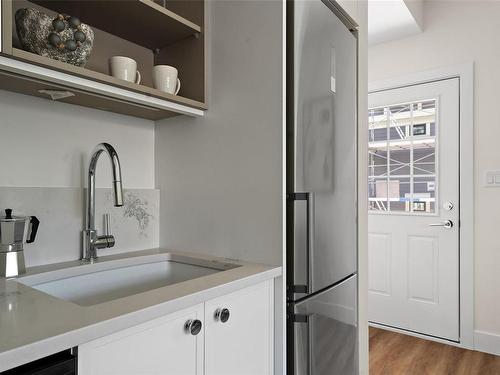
487,342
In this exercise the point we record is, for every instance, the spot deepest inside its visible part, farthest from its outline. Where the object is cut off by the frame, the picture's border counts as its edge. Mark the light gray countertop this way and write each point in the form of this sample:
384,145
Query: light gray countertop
34,324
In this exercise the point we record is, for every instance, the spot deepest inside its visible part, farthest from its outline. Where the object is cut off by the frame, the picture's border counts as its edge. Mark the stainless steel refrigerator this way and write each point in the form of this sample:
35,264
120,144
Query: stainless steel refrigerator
322,328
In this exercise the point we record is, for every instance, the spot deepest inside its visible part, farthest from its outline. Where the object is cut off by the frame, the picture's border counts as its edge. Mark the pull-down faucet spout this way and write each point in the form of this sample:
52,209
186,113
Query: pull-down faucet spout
91,241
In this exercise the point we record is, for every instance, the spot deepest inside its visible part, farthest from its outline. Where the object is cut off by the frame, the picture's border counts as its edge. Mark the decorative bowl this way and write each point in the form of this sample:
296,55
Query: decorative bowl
33,29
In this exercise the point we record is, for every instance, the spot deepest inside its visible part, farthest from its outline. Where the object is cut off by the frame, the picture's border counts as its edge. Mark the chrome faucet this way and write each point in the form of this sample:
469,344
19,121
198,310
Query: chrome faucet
91,241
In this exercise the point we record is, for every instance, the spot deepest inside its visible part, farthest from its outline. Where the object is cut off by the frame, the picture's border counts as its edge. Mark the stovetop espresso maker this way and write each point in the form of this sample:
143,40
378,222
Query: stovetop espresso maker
15,231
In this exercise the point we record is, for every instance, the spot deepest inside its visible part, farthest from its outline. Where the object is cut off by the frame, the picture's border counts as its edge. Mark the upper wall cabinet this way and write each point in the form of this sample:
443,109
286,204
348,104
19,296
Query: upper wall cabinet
148,32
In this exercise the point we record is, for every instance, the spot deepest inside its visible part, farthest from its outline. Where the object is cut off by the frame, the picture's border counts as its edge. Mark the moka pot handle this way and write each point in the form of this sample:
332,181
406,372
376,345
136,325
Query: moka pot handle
34,222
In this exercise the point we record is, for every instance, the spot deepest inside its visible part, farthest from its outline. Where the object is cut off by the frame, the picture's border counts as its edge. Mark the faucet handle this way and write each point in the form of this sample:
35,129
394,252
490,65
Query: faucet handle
107,225
107,238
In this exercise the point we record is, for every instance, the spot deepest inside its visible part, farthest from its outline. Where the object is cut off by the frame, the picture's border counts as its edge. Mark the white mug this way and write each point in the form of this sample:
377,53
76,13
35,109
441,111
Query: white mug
124,68
165,79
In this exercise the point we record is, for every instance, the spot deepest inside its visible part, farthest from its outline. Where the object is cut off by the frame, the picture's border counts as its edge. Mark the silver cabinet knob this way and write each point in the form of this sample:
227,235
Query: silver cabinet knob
447,224
222,315
193,326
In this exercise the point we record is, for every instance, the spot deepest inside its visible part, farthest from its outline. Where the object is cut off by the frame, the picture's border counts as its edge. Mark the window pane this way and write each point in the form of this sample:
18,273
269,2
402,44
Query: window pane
424,194
377,125
424,158
377,194
377,163
399,122
402,157
433,129
399,132
399,194
424,112
399,160
377,159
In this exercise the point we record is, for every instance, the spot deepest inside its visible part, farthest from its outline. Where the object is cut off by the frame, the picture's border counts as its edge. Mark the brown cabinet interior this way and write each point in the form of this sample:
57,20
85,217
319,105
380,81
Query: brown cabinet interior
139,29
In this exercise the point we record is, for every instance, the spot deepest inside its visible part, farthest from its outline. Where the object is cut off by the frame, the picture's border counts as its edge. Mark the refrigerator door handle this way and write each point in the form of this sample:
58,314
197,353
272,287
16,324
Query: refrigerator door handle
309,198
307,319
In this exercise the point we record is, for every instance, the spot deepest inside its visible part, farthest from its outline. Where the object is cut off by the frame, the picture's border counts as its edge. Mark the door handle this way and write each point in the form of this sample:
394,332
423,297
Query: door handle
309,198
447,224
307,319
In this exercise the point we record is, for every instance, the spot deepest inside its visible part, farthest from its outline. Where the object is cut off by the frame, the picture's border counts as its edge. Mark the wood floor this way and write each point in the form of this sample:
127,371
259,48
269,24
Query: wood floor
397,354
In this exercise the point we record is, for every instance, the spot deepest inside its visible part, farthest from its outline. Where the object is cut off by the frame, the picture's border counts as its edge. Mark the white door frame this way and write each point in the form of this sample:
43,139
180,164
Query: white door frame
465,74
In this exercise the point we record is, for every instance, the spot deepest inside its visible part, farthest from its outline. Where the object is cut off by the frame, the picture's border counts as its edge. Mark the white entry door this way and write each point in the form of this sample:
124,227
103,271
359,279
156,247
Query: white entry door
413,223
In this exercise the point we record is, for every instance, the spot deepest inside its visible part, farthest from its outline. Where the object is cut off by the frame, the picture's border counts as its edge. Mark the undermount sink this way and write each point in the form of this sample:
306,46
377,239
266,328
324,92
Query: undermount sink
91,284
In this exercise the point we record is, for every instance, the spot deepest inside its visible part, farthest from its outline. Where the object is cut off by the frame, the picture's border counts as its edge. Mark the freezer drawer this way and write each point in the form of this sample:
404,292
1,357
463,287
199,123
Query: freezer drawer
325,332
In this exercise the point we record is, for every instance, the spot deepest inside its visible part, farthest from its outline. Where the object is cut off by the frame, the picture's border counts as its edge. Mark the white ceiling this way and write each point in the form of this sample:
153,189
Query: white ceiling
393,19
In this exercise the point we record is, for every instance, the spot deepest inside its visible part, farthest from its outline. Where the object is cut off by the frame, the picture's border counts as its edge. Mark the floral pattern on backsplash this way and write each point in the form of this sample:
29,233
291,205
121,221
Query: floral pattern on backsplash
138,209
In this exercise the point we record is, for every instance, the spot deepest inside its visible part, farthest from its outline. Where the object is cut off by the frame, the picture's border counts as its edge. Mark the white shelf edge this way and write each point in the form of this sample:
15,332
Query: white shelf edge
35,71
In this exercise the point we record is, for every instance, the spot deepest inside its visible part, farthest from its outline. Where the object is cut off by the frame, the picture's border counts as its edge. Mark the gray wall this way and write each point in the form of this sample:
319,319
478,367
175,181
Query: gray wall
47,144
220,176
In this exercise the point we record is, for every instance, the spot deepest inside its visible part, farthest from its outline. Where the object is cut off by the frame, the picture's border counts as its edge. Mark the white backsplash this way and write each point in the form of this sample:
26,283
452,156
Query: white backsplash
61,214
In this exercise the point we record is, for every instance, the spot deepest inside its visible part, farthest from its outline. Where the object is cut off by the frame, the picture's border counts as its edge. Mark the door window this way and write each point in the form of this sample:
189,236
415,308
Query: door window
402,158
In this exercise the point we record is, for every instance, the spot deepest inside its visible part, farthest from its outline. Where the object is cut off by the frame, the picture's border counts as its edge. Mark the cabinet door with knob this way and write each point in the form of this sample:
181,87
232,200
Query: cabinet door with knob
239,332
172,344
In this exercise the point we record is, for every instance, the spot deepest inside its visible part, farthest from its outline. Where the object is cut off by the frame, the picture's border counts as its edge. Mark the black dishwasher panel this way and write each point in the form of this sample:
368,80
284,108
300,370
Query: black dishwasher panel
62,363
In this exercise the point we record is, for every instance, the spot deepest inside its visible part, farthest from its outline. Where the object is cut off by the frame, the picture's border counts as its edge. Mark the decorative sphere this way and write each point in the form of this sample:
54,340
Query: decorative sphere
54,39
70,45
58,25
74,22
80,36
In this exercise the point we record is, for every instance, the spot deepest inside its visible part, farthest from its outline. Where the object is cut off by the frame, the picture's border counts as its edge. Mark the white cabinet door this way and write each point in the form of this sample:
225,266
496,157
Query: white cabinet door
162,346
243,345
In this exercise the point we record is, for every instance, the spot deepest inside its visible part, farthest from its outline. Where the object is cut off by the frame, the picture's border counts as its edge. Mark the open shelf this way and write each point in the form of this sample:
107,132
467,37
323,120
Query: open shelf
140,21
104,78
27,78
139,29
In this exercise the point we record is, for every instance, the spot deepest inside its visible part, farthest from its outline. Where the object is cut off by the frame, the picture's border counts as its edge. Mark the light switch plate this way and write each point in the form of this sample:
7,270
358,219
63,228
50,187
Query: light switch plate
492,178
